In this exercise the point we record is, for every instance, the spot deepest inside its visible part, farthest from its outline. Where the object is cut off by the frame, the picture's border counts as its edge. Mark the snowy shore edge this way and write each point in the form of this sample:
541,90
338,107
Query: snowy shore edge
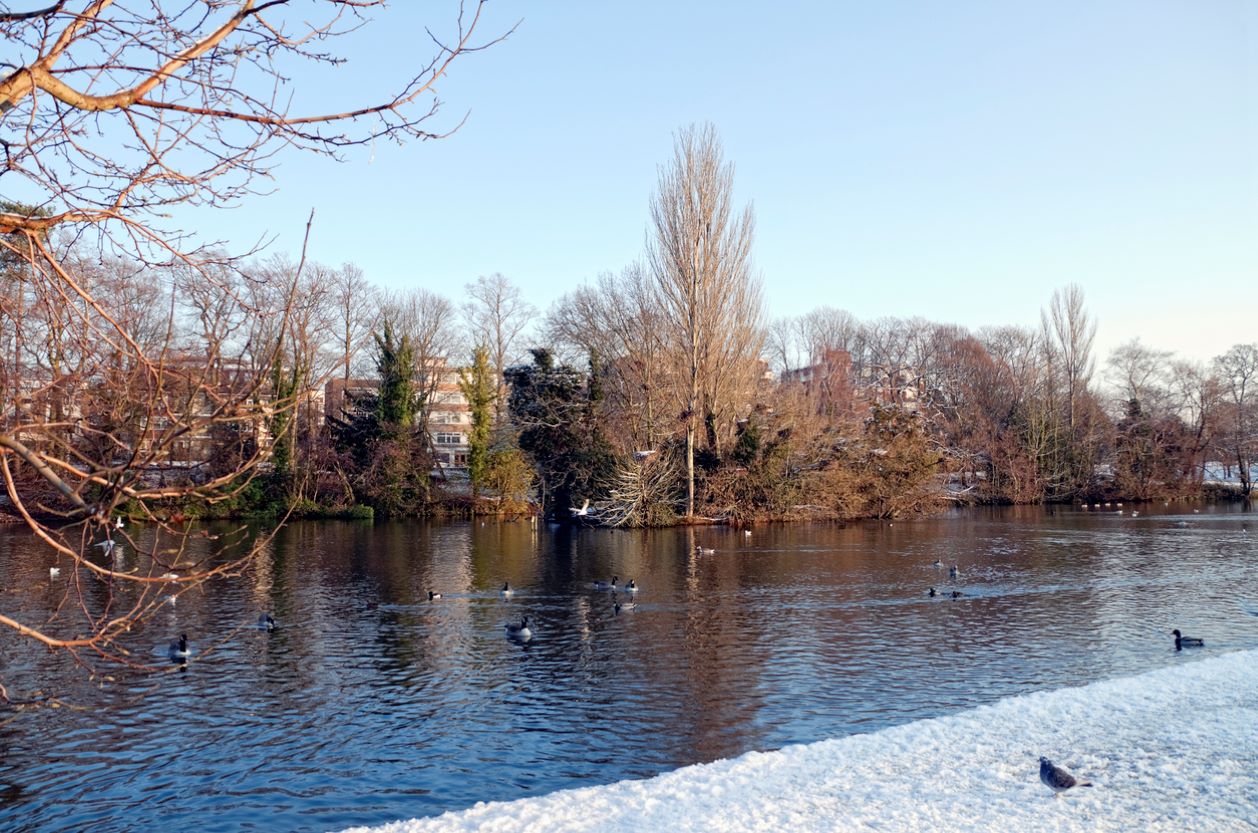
1171,750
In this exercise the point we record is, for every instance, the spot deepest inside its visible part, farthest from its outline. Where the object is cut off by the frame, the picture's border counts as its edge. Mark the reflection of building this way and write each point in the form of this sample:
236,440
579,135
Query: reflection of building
449,415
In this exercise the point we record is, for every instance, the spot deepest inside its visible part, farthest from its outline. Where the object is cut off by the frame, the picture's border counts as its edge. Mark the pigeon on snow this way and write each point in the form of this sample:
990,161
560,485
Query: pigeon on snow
1058,779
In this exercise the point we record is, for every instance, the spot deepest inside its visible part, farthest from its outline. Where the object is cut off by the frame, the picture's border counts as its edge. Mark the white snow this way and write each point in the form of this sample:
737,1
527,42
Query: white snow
1171,750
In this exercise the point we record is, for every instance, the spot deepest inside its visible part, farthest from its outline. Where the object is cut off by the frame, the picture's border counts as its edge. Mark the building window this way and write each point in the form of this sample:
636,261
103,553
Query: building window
449,439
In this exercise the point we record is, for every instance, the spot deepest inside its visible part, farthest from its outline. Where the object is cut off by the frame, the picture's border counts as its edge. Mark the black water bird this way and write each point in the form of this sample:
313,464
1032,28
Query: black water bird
1182,641
506,590
520,632
432,597
932,593
1058,779
178,650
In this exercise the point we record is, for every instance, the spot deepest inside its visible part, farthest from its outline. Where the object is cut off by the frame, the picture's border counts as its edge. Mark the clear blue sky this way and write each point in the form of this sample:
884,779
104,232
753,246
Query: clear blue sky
956,160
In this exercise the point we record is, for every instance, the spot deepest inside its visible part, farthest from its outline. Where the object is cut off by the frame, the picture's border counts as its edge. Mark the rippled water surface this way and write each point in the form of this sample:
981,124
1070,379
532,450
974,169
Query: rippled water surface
371,703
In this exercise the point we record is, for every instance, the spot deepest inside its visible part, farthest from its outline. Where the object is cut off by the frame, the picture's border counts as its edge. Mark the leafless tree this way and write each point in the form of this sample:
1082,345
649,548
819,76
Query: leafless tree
827,328
700,255
1141,374
357,313
1068,335
111,113
497,315
784,344
1237,370
1198,393
618,319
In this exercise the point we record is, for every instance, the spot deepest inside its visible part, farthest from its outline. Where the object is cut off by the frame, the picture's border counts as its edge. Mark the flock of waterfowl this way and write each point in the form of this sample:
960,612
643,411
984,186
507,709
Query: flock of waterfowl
521,632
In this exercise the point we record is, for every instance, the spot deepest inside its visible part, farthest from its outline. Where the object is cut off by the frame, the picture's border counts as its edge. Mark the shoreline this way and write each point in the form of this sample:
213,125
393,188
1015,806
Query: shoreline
1168,750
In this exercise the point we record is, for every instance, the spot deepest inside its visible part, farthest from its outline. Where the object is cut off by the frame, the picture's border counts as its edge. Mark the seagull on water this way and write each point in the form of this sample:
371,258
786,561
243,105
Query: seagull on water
53,572
1058,779
1182,641
704,550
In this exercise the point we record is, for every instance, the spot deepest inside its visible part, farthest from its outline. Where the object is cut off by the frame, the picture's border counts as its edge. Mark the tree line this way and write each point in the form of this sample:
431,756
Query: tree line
129,346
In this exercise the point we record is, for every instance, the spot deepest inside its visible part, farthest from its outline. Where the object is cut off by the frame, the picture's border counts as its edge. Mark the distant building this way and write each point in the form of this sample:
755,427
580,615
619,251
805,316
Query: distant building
829,381
449,415
892,385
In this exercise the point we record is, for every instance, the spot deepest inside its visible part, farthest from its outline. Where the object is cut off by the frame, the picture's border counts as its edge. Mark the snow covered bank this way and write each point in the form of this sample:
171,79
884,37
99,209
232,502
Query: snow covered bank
1172,750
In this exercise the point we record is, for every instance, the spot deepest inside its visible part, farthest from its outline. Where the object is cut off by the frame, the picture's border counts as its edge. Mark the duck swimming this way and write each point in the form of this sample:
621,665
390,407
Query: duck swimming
178,650
266,622
607,585
704,550
1182,641
506,590
521,631
432,597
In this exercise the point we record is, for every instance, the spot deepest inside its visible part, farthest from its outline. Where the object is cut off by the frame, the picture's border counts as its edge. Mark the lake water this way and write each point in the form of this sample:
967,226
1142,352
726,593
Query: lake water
371,703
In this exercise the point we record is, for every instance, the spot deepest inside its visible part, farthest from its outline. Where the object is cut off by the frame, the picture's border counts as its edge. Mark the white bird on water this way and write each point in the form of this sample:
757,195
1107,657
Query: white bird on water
53,572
